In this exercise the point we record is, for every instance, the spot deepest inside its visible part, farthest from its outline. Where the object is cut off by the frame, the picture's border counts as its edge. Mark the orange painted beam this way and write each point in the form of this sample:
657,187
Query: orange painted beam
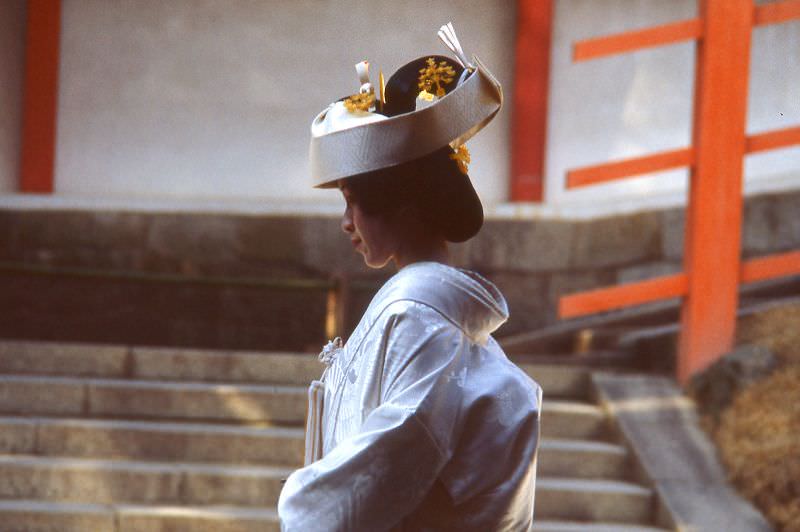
614,297
601,173
531,88
40,95
773,140
636,40
714,213
777,12
770,267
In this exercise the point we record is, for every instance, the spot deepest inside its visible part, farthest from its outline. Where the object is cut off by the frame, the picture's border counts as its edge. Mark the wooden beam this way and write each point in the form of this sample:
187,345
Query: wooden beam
777,12
630,41
770,267
773,140
601,173
714,213
40,96
531,87
614,297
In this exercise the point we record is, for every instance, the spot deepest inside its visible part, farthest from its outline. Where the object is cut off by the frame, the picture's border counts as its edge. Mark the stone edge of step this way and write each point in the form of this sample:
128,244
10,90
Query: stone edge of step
581,446
147,384
157,426
143,466
205,512
598,486
547,525
135,362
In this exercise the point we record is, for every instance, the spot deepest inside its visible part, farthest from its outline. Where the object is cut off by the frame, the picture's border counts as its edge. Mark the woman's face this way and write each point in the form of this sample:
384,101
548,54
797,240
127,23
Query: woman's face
371,235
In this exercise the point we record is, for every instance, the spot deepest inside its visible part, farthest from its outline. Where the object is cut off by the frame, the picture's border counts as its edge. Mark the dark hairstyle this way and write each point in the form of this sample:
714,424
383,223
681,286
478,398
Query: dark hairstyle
432,187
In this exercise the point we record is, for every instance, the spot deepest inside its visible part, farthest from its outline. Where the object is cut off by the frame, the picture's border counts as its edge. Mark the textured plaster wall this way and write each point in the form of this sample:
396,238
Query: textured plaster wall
205,100
12,45
200,98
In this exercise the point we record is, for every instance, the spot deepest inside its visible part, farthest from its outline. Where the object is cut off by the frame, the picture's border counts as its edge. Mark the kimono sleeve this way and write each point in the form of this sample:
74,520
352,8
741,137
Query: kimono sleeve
373,479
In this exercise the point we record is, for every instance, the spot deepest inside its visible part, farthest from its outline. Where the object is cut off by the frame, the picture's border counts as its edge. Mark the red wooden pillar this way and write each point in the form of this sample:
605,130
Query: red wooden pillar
713,217
40,96
531,83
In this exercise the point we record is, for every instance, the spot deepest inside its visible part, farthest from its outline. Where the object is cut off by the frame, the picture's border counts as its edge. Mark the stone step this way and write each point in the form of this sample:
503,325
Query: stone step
57,478
39,516
116,362
200,442
225,366
148,399
557,381
82,482
180,364
129,399
573,420
69,479
593,500
156,441
569,500
582,459
578,526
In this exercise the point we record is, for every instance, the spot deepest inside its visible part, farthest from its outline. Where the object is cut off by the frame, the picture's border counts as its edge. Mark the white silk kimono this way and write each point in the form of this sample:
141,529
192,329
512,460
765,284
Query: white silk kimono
426,424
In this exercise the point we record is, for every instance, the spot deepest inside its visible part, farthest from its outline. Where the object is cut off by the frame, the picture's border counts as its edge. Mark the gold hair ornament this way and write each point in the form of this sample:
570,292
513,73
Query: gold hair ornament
435,76
382,87
360,102
462,158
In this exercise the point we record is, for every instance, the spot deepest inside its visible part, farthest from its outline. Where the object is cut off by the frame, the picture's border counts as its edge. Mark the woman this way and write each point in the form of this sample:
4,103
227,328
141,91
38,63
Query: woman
425,424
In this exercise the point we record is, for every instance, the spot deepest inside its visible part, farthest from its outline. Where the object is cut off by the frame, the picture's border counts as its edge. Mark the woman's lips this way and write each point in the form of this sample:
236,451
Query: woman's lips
355,242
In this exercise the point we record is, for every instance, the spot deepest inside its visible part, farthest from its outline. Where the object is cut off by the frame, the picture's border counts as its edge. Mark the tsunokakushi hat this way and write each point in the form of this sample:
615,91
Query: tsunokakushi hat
429,103
427,109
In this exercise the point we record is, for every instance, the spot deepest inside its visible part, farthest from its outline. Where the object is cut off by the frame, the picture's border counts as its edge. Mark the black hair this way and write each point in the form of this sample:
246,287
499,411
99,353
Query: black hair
432,188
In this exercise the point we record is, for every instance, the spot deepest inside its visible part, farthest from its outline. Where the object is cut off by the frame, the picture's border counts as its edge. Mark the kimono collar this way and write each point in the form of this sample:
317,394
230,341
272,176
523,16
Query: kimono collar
465,298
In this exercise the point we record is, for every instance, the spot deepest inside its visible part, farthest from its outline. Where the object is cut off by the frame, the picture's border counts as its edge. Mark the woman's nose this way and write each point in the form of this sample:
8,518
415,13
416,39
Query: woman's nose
347,222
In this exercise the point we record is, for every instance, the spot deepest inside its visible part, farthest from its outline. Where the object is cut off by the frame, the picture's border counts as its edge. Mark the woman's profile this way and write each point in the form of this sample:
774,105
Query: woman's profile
419,421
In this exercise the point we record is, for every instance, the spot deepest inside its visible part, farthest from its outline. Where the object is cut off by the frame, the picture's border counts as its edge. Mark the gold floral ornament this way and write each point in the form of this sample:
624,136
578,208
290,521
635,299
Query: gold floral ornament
462,158
360,102
435,76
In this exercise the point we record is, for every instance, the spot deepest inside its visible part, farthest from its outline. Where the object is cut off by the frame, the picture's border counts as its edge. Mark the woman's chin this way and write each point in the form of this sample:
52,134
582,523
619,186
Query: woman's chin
375,263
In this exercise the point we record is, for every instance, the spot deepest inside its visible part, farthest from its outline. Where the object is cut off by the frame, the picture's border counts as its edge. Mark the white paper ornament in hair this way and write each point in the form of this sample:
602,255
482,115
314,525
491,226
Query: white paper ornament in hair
344,115
448,36
338,118
362,69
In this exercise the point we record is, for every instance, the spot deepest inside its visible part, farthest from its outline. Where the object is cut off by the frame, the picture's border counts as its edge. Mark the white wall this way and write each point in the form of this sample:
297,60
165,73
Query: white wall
12,46
207,100
203,98
640,103
774,96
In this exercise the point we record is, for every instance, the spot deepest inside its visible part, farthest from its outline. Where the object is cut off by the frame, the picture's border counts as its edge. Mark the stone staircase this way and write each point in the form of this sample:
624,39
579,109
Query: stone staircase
118,439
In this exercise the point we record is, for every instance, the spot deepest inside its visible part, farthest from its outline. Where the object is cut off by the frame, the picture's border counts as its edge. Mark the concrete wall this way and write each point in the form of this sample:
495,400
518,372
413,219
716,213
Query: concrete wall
533,264
12,45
